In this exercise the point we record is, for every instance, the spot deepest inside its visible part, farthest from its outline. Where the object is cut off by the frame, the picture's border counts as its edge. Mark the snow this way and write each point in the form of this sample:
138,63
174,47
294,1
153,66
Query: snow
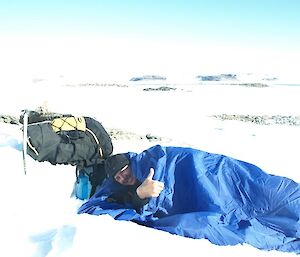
38,216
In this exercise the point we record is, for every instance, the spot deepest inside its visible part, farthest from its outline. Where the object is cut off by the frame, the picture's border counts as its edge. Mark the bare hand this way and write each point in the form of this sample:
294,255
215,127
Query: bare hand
150,188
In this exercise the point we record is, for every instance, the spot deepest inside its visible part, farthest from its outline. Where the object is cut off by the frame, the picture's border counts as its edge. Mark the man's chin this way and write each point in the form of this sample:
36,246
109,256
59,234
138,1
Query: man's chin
131,182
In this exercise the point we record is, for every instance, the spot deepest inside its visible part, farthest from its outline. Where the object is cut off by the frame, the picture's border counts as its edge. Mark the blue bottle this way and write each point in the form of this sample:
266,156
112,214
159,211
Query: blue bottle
83,186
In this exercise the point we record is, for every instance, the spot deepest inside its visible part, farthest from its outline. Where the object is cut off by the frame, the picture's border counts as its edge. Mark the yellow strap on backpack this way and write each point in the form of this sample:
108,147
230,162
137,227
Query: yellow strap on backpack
68,123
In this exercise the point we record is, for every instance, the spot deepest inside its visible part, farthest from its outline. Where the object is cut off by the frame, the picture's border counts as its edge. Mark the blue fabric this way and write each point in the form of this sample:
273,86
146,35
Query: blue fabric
212,196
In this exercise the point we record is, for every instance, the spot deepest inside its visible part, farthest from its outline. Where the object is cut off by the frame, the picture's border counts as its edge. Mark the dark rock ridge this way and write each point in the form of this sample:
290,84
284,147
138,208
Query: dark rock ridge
34,116
117,134
9,119
42,114
148,77
262,119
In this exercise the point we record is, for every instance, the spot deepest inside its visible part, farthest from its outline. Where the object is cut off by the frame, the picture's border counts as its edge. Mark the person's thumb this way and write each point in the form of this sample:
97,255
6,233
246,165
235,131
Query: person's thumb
151,174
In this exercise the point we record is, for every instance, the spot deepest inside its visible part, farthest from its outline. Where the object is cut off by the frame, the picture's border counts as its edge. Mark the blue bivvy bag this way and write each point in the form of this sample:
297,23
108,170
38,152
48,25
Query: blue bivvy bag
211,196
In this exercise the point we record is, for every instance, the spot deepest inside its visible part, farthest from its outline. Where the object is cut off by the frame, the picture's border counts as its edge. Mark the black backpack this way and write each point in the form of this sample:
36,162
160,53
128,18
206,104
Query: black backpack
80,141
65,139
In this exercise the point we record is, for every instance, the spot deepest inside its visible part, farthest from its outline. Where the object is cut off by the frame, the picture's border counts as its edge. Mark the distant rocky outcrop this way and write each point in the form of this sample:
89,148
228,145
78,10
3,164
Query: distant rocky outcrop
270,78
262,119
148,77
250,84
220,77
95,85
159,89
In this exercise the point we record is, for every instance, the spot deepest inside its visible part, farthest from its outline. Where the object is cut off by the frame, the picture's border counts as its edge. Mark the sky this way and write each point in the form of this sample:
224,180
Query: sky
127,37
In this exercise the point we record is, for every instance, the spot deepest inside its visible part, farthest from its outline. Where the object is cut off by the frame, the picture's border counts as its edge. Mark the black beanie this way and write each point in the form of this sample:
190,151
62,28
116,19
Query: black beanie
115,163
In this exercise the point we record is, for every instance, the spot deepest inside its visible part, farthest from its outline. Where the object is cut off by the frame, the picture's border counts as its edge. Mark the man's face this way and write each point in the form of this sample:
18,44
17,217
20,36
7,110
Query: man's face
125,176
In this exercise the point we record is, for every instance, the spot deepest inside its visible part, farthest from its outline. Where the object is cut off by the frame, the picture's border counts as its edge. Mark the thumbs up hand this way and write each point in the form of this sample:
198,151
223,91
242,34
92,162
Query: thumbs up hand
150,188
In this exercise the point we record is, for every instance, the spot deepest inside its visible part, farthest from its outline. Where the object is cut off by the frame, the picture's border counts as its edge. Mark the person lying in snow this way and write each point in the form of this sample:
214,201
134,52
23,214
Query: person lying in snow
136,192
197,194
